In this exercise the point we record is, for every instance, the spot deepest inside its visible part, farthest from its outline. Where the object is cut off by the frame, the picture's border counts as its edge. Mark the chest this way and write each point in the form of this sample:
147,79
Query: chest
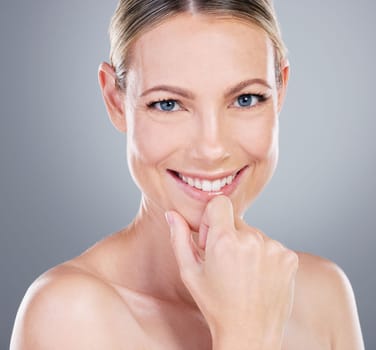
304,334
178,331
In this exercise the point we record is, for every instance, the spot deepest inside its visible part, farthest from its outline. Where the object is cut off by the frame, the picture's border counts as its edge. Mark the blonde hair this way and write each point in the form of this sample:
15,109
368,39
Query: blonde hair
134,17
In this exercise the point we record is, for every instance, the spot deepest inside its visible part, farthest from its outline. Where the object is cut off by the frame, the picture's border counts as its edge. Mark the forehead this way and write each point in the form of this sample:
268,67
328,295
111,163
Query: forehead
190,47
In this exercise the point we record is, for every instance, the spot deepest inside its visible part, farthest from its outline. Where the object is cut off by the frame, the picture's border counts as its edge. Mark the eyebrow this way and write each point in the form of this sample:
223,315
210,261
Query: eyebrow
187,94
240,86
169,88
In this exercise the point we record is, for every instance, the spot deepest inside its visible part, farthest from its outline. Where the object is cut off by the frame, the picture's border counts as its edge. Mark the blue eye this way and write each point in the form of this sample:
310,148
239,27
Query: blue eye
247,100
165,105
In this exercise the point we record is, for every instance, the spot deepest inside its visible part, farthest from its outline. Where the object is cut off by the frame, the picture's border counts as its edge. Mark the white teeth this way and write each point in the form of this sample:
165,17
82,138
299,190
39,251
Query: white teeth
198,184
206,185
216,185
224,181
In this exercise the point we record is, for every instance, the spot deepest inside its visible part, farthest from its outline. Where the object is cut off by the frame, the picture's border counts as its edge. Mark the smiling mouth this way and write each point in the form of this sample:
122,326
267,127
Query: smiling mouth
207,185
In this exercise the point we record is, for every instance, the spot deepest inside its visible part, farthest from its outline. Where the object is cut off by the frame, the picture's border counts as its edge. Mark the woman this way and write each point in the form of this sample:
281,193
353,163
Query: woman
197,86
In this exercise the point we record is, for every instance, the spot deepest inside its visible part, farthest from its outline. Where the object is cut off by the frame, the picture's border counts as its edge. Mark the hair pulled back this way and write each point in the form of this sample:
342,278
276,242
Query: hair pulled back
134,17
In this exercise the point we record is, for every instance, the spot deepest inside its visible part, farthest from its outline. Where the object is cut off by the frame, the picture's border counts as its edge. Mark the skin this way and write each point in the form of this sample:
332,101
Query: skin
149,286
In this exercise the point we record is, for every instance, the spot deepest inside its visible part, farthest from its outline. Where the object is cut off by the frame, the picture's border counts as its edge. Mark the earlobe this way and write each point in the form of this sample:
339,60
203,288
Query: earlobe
112,96
285,74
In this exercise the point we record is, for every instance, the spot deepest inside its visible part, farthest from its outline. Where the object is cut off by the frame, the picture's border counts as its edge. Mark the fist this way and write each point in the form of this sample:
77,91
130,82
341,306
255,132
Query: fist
244,282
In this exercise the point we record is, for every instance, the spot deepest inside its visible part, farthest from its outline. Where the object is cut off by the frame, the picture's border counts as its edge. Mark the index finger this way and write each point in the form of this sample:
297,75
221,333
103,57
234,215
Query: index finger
218,219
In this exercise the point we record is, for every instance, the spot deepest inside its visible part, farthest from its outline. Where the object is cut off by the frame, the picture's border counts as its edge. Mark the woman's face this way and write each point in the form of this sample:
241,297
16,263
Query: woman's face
201,110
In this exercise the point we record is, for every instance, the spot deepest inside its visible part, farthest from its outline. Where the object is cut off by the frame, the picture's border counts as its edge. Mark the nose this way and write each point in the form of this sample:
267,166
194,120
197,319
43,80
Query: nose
211,141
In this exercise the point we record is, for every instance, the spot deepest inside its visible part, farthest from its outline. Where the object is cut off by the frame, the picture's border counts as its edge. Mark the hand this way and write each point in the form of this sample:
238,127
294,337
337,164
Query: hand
245,282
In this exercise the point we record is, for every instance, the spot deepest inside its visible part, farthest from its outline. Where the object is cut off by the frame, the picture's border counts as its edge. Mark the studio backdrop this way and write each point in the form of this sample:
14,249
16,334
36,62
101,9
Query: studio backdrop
64,181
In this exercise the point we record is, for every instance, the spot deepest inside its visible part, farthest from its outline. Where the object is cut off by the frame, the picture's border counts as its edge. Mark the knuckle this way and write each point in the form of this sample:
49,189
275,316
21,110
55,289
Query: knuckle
255,237
292,258
275,247
252,241
258,237
251,237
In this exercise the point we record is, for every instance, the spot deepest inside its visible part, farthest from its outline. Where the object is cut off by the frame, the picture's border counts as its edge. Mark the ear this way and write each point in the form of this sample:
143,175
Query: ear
285,74
113,97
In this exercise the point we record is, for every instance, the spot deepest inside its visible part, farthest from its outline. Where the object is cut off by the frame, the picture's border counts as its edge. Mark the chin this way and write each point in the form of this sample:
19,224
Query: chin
192,216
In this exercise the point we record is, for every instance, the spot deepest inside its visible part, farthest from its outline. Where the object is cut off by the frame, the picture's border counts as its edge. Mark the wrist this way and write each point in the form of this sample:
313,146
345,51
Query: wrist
246,340
236,343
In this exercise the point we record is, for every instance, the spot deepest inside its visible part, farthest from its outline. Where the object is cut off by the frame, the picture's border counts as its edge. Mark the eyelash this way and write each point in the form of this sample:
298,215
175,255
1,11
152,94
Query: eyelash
260,97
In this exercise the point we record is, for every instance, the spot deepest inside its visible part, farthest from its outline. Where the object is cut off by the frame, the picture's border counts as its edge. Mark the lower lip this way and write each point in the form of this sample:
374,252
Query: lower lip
206,196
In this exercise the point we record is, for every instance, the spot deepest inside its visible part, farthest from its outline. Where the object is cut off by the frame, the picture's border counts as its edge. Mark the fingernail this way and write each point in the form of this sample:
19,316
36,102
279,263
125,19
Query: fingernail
169,218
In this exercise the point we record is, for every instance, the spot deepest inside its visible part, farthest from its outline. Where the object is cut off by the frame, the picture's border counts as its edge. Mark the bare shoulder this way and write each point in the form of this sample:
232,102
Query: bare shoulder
326,286
68,308
314,269
322,277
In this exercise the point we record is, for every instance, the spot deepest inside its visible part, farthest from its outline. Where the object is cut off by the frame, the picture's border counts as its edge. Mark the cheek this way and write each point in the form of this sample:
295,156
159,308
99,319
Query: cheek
150,142
260,139
146,147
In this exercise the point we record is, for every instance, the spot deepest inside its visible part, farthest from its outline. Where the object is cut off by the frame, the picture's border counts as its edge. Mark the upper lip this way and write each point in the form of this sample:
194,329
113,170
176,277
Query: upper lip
210,177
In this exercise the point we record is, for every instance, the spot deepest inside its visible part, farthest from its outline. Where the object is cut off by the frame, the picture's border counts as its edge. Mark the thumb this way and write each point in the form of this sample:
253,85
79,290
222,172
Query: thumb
182,243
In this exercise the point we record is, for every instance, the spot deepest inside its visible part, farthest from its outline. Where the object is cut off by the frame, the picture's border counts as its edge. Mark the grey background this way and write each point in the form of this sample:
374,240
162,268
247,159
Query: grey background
64,179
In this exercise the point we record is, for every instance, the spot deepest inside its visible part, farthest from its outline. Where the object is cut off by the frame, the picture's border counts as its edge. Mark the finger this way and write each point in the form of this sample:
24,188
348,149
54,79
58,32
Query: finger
202,235
218,218
181,241
239,223
242,226
219,213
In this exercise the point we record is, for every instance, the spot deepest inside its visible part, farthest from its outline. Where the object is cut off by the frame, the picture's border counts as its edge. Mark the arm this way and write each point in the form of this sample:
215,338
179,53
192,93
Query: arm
346,330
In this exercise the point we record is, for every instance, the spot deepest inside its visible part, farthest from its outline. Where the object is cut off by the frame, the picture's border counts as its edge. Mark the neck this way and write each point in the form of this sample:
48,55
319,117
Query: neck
153,260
